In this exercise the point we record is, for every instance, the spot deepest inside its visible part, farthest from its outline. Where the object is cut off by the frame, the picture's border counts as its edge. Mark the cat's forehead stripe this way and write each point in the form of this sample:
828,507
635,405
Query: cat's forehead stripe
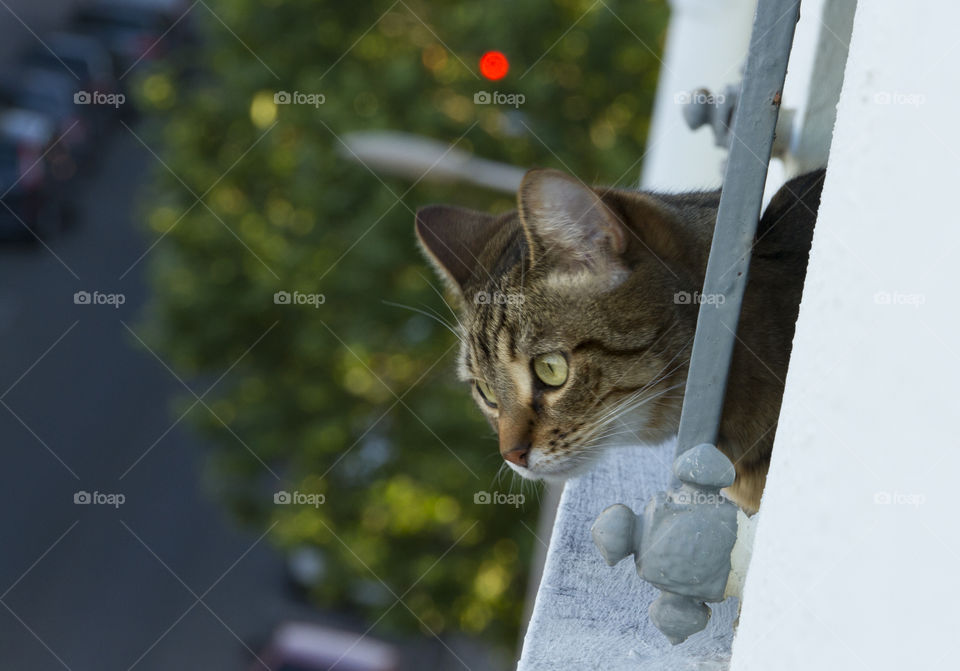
500,322
481,348
484,339
483,334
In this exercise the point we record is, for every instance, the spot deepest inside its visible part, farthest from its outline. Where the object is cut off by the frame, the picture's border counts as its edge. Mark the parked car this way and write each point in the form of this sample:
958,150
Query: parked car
301,646
88,63
133,32
32,201
36,131
52,93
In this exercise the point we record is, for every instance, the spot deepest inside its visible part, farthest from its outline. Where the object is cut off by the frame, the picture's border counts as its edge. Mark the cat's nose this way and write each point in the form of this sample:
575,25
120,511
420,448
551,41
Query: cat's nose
514,429
518,455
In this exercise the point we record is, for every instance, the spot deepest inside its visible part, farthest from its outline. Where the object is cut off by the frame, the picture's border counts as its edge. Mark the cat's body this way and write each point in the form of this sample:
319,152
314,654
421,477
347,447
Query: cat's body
579,311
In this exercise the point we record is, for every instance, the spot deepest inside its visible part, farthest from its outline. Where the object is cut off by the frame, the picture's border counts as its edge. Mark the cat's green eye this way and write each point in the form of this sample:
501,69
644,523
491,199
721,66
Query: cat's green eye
486,393
551,368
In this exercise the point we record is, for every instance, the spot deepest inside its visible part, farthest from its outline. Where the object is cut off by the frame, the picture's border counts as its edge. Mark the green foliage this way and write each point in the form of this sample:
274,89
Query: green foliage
313,392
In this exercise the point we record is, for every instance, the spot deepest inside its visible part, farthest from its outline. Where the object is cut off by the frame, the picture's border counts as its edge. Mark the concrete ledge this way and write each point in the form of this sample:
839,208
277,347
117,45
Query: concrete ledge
591,616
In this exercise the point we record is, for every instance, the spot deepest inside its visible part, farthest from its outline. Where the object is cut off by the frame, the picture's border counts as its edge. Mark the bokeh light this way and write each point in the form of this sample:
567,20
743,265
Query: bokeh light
494,65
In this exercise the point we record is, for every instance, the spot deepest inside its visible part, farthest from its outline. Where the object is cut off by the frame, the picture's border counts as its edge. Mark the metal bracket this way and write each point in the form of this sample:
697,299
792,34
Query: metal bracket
703,108
716,110
682,543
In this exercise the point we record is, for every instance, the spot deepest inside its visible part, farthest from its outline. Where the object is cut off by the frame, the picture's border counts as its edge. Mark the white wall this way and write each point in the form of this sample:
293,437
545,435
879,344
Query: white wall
706,47
857,557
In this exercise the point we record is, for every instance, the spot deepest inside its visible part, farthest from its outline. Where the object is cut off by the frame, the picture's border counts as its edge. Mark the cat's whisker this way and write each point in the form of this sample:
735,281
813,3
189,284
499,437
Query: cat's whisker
620,407
603,429
440,317
498,477
634,404
513,481
432,316
637,404
659,377
444,301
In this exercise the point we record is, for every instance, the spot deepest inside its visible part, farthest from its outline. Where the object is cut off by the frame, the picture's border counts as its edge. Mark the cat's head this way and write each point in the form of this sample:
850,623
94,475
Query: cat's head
571,334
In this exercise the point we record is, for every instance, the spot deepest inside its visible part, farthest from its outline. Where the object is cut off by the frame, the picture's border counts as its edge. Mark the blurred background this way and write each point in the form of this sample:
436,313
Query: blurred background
231,433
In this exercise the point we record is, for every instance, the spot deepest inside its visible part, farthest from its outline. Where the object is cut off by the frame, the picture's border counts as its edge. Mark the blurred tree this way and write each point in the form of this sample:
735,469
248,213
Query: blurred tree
354,398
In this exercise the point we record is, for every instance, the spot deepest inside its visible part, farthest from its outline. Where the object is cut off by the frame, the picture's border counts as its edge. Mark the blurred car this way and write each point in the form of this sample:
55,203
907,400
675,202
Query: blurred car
37,131
31,197
134,32
87,62
52,94
300,646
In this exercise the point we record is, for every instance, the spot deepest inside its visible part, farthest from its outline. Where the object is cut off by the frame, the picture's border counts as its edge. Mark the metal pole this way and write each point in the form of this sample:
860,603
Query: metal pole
739,213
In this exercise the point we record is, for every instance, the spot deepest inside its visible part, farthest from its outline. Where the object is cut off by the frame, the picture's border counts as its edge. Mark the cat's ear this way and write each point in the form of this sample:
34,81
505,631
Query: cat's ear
570,222
453,239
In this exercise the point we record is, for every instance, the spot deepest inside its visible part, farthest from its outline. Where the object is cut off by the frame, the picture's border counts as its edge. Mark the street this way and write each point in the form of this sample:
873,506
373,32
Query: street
162,580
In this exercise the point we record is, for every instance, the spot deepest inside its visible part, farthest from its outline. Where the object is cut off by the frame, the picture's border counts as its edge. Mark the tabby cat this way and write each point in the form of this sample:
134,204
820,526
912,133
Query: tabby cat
578,312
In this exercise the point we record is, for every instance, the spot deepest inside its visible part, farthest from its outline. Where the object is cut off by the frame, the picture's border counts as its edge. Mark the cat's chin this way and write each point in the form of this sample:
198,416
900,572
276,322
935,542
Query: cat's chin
556,472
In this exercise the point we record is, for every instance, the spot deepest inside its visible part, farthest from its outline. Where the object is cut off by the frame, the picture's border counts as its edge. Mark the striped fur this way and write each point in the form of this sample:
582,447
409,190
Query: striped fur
599,275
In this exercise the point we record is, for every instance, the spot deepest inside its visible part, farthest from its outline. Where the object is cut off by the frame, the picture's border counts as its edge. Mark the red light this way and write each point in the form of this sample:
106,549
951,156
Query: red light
494,65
